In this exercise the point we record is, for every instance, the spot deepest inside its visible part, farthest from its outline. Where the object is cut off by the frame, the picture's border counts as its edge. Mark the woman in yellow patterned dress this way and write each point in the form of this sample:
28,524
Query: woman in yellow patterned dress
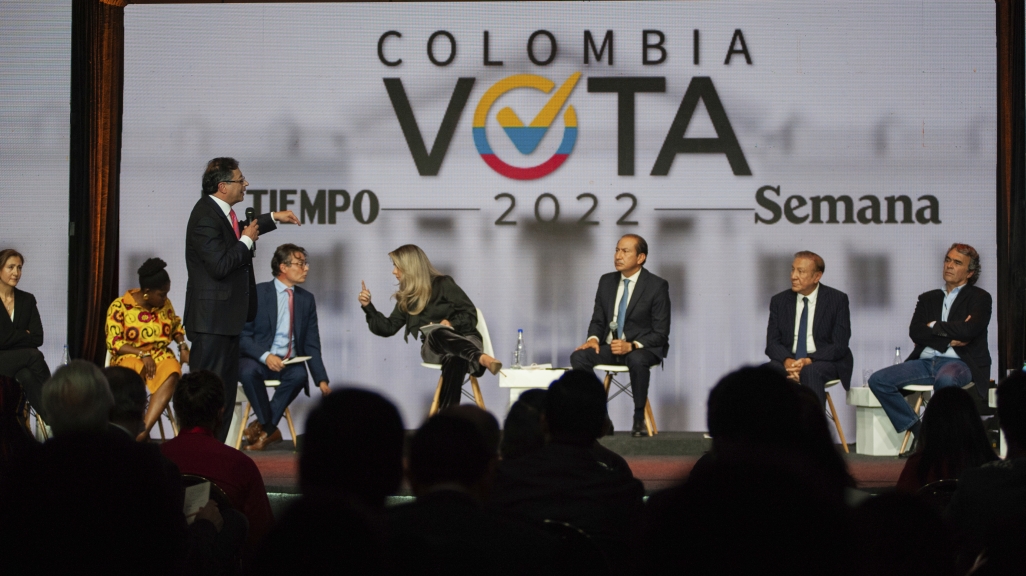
140,327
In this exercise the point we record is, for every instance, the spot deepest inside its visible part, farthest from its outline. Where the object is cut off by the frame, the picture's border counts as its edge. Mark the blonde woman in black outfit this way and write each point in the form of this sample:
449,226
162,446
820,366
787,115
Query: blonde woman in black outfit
426,296
21,332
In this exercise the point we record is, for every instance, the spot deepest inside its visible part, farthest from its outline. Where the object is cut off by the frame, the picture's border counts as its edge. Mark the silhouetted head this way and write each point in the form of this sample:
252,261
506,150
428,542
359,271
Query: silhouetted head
523,432
1011,396
483,420
199,400
77,399
449,449
353,446
575,408
129,392
754,404
952,436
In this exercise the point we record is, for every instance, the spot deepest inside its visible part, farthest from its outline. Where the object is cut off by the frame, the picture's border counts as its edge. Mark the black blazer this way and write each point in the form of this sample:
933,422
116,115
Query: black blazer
26,331
258,334
831,329
221,293
648,313
448,302
971,302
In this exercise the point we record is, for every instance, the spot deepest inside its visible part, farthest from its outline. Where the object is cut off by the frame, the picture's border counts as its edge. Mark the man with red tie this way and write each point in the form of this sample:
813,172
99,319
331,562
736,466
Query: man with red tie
285,328
221,292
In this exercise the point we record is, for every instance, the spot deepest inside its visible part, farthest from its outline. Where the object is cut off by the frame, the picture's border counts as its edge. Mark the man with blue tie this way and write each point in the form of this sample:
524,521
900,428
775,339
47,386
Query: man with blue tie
630,324
285,327
809,328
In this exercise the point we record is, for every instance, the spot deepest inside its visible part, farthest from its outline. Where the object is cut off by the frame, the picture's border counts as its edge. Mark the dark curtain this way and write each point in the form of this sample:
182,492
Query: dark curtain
97,75
1011,187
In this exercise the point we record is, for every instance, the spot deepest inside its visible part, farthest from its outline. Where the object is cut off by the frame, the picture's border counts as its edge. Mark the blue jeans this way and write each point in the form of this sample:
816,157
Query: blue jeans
940,371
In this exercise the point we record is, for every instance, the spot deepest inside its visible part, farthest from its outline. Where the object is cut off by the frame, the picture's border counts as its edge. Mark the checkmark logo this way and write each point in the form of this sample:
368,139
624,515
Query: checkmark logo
526,139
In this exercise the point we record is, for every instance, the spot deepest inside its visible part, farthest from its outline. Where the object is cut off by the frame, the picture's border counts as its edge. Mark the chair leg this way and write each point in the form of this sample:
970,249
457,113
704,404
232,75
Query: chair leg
171,418
434,403
908,433
42,427
242,427
606,382
837,423
478,398
160,426
292,428
650,422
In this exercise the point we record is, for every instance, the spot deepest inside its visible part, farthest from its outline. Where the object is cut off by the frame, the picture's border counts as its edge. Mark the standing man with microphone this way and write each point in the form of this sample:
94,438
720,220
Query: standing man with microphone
631,323
221,293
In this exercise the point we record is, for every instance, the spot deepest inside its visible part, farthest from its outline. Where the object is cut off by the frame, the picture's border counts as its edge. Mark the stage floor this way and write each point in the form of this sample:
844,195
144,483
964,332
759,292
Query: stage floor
659,462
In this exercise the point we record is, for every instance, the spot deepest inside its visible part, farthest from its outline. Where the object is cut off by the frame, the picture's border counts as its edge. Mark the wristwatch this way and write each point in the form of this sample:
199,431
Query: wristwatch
142,354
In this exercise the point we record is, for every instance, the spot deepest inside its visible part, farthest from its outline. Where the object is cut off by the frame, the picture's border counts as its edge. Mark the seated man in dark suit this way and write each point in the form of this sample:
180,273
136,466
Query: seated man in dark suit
630,324
285,327
949,329
809,328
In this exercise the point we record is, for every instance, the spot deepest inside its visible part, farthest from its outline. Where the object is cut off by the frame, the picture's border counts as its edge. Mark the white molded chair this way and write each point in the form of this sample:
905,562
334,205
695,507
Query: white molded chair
249,408
833,415
610,369
167,409
923,391
486,347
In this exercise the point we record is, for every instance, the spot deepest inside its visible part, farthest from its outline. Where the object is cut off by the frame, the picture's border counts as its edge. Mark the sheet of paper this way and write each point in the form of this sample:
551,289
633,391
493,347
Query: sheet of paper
196,497
296,360
429,328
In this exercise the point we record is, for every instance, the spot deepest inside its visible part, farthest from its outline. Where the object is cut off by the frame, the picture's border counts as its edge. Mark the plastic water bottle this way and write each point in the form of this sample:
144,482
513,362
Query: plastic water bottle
64,358
520,353
897,355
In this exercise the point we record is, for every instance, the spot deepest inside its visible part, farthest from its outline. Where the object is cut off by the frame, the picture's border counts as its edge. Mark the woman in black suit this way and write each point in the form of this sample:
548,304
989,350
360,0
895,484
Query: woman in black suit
21,332
426,296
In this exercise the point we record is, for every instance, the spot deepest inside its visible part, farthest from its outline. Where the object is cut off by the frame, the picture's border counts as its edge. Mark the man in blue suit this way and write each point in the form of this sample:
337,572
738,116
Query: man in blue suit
809,328
285,327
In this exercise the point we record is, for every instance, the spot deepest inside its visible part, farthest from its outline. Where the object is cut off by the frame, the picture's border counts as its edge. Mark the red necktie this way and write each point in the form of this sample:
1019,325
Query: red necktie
235,223
292,309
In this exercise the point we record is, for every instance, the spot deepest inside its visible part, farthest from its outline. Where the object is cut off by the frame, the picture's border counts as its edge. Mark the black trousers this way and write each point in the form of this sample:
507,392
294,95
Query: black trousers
28,367
639,364
458,355
814,376
219,354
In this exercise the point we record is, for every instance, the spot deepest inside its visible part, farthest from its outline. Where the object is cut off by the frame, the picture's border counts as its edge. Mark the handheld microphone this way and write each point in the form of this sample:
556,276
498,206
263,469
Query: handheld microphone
612,328
250,218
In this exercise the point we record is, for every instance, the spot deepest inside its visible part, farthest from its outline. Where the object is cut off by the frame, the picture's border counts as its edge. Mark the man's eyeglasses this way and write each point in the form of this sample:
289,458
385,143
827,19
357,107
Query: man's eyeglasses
300,263
233,181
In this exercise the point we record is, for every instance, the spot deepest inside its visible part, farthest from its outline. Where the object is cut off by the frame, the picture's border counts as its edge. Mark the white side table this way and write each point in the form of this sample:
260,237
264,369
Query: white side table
520,379
874,433
992,402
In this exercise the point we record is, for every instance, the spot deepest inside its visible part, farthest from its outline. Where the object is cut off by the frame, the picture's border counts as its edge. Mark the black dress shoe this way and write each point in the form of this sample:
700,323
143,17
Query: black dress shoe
911,448
639,430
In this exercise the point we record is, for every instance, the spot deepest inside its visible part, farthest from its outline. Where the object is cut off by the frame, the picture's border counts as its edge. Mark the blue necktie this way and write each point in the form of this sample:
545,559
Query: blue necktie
621,315
800,350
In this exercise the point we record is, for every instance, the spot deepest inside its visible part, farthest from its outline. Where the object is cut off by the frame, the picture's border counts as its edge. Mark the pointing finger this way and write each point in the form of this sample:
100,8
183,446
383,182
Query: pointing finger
363,285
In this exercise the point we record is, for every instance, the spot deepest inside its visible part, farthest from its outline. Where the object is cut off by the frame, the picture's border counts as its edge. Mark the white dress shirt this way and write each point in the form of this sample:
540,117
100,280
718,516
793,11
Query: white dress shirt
810,345
227,208
616,302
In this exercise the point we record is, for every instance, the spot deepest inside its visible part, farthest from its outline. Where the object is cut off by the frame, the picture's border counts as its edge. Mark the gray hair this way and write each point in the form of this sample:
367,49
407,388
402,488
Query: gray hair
77,399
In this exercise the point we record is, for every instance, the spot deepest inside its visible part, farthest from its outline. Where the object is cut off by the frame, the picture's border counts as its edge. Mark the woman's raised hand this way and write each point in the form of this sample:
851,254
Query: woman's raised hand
365,295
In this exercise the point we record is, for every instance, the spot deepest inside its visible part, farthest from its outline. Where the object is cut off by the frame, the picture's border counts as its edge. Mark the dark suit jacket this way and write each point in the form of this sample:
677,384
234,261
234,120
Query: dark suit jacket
13,335
221,294
831,329
258,334
971,301
648,313
448,302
